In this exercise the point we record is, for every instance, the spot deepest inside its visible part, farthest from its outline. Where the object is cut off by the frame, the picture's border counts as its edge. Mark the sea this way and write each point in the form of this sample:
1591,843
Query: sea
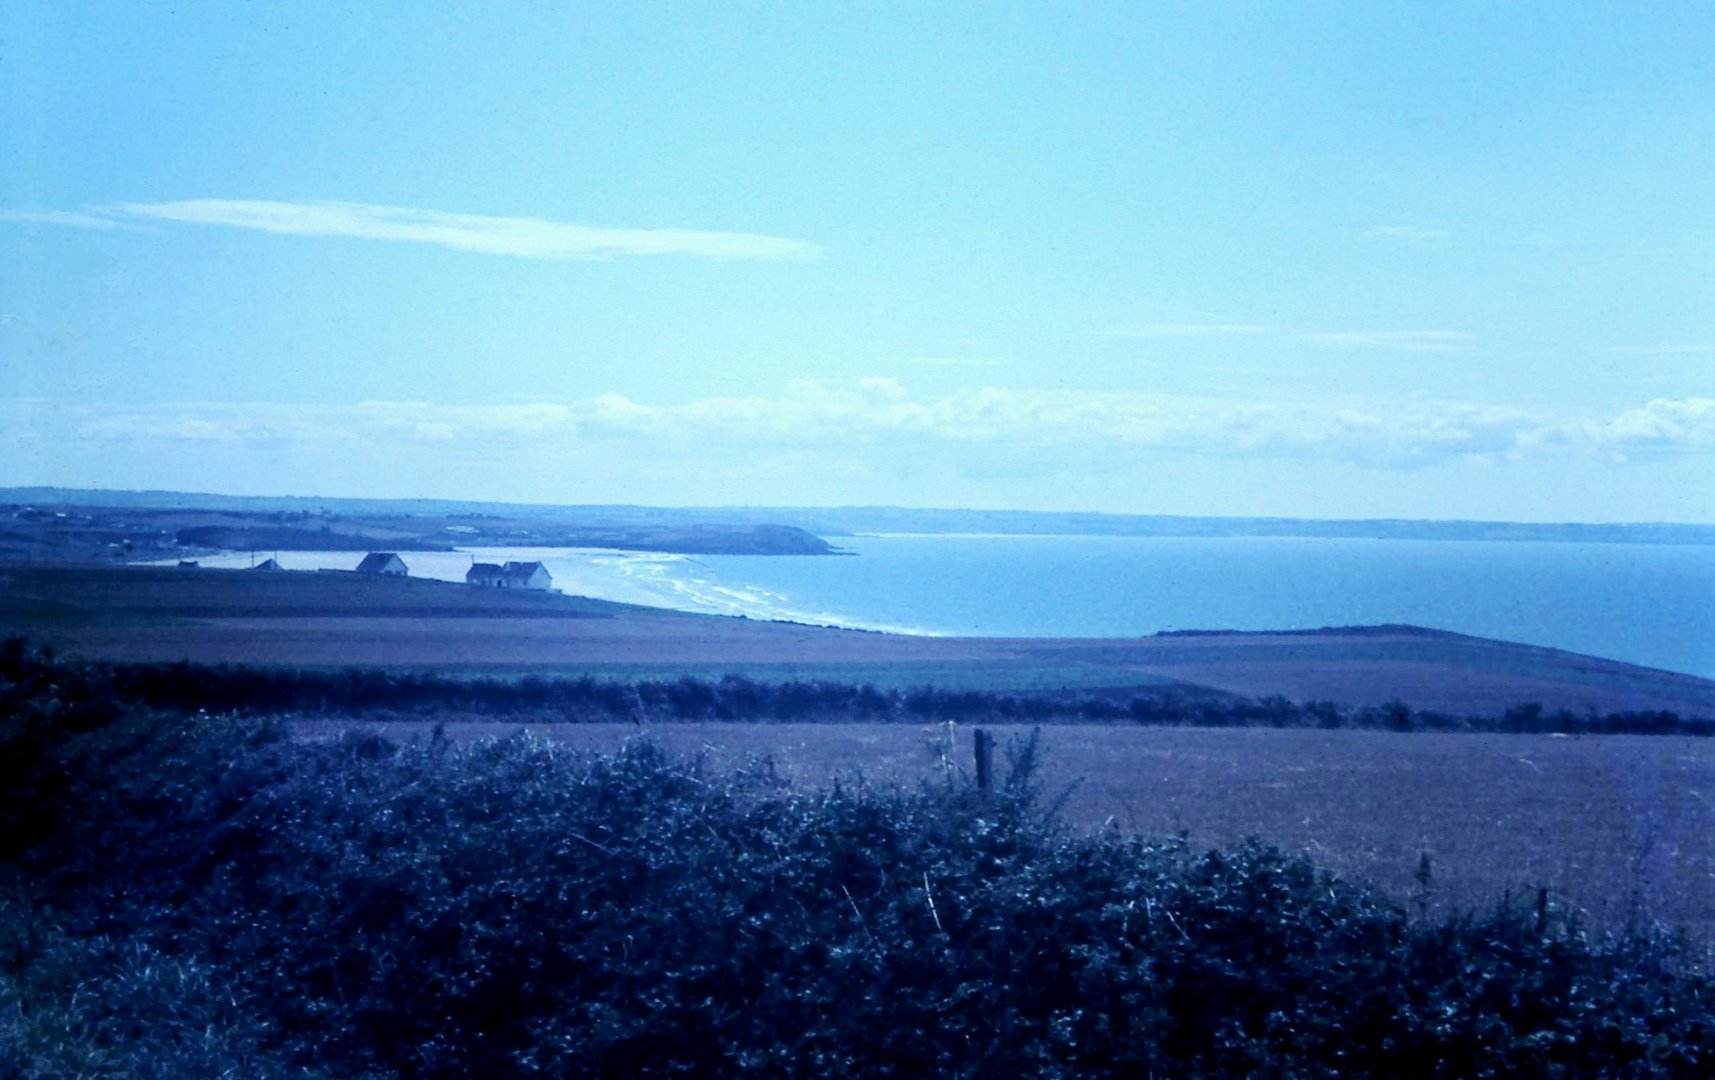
1646,604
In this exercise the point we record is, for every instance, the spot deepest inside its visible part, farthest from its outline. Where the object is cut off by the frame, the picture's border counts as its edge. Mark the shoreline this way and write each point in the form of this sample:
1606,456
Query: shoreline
341,620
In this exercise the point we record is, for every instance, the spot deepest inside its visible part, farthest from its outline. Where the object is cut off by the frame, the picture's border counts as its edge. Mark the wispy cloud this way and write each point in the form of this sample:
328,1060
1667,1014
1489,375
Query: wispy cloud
263,422
1399,340
1188,330
74,219
522,237
952,361
1664,350
1409,233
1403,340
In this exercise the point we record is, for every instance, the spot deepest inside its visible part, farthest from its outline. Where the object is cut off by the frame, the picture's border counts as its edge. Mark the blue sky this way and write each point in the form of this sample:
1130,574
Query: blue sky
1423,260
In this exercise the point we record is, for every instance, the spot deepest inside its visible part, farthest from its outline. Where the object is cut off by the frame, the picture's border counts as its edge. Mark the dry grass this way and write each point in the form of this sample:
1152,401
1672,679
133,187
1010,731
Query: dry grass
1622,827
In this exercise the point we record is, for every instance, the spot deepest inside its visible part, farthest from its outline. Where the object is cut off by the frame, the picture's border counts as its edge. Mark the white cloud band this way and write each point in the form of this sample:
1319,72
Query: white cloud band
532,238
881,416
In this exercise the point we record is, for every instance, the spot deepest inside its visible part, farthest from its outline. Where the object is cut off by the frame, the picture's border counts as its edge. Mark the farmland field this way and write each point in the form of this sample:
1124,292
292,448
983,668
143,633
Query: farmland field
304,619
1622,827
1618,826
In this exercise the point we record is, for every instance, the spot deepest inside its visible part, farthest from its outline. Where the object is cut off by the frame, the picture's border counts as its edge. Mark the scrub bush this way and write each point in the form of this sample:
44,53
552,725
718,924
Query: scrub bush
211,898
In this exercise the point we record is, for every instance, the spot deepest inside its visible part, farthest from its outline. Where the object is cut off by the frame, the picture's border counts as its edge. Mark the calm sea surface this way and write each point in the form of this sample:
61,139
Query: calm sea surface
1647,604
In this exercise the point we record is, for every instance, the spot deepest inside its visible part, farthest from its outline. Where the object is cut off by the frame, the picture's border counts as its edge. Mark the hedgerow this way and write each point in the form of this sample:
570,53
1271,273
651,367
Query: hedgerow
375,693
203,895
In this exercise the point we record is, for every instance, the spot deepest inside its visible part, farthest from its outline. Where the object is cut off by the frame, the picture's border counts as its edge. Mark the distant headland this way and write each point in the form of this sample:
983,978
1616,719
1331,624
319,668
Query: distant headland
300,522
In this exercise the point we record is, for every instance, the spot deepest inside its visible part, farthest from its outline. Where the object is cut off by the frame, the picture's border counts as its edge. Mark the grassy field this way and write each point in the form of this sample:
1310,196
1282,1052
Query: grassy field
1622,827
198,596
339,620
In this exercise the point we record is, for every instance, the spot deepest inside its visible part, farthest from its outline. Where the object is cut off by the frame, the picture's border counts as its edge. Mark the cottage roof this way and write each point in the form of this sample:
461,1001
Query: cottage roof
377,562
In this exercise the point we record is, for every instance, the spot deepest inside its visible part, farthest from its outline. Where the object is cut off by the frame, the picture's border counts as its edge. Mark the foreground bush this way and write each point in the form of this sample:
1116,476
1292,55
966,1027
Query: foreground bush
208,898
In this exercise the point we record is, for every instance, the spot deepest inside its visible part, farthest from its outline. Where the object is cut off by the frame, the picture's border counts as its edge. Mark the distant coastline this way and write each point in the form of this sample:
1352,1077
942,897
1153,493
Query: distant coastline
884,521
789,529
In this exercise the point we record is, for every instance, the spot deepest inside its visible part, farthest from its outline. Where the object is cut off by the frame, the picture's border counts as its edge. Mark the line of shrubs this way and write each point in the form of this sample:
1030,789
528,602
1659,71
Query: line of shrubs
184,894
372,692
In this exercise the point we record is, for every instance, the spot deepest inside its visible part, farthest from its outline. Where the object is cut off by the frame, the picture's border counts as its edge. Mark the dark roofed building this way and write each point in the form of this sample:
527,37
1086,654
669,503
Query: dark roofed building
268,564
525,575
514,575
383,562
483,573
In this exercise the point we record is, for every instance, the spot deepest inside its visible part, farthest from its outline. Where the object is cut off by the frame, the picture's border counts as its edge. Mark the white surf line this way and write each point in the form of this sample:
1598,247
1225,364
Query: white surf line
695,587
661,579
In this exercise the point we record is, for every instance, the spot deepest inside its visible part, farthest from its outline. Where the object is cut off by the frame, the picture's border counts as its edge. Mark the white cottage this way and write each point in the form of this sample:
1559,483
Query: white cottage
525,575
514,575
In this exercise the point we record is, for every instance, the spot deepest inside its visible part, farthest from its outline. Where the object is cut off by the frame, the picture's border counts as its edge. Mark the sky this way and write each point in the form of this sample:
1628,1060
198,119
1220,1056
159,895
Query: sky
1431,260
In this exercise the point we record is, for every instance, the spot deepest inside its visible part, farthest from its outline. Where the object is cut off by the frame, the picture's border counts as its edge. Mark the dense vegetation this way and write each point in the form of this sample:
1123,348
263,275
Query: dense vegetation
372,693
192,895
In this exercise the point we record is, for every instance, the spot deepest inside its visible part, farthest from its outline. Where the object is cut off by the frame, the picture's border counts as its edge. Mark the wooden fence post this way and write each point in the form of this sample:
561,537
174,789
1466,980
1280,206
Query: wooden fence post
985,759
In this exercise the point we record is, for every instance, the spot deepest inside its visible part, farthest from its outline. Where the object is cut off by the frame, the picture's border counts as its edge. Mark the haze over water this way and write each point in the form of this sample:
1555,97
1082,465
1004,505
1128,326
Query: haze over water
1642,603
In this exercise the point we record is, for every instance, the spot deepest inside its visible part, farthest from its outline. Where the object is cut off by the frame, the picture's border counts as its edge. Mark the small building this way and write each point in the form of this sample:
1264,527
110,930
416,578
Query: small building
483,573
385,563
525,575
514,575
188,564
268,564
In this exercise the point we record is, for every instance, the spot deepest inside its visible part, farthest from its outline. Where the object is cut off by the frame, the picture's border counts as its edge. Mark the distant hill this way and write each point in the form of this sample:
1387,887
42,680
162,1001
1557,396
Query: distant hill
103,526
765,528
